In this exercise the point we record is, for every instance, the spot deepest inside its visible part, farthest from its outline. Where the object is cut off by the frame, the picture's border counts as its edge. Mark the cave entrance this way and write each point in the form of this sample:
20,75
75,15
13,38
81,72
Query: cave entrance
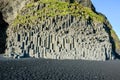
72,1
3,35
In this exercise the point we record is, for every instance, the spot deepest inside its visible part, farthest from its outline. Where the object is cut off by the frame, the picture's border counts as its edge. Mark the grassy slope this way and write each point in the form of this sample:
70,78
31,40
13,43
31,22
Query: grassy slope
53,9
116,40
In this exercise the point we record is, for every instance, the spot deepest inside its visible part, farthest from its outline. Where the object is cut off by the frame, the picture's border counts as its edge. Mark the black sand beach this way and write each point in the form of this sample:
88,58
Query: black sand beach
46,69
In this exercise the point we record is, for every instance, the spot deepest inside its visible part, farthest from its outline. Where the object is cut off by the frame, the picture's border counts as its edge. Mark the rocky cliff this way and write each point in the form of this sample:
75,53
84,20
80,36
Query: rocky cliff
59,29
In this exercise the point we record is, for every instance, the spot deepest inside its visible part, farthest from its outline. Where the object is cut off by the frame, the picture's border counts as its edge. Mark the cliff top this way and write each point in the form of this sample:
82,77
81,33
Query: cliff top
51,8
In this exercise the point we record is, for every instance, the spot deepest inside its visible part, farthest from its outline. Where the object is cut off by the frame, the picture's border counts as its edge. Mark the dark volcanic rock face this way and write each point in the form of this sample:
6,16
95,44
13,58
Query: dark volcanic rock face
59,29
66,38
10,8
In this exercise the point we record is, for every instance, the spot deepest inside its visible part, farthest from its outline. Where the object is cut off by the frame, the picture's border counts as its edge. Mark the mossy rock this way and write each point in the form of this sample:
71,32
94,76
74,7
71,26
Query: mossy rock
116,40
54,8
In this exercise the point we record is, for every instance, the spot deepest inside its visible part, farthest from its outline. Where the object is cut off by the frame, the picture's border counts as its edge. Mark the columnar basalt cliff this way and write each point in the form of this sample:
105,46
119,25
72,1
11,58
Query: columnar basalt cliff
61,29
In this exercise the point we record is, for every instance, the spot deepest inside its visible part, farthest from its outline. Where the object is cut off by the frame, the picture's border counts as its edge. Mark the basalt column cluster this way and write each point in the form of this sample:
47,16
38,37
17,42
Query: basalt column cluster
61,37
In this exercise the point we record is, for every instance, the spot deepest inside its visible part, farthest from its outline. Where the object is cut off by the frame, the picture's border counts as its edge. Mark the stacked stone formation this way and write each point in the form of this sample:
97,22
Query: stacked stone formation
62,37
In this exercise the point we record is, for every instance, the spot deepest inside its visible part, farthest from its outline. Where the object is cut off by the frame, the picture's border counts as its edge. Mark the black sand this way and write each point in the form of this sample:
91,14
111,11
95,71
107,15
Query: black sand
41,69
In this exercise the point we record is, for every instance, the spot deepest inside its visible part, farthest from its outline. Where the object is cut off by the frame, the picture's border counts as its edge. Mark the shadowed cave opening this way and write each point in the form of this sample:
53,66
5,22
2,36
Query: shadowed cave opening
3,35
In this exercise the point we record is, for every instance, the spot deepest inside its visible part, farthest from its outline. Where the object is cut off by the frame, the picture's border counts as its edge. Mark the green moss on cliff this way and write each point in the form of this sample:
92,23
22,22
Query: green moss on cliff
113,35
116,39
52,8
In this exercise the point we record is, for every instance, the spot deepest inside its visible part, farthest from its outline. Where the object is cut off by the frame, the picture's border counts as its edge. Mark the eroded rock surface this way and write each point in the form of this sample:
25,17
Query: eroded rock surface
10,8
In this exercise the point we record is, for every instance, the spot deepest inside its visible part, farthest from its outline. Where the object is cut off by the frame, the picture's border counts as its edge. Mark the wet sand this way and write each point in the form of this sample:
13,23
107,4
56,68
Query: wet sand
46,69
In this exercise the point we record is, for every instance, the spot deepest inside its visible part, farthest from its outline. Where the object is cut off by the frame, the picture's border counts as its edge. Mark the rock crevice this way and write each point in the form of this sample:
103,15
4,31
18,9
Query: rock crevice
3,35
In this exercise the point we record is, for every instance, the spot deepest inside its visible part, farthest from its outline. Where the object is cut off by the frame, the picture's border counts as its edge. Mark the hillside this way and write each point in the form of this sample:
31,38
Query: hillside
58,29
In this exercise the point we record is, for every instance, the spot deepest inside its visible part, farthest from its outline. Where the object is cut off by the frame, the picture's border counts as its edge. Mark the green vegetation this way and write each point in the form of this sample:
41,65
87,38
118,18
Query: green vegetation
93,15
53,8
29,5
116,40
